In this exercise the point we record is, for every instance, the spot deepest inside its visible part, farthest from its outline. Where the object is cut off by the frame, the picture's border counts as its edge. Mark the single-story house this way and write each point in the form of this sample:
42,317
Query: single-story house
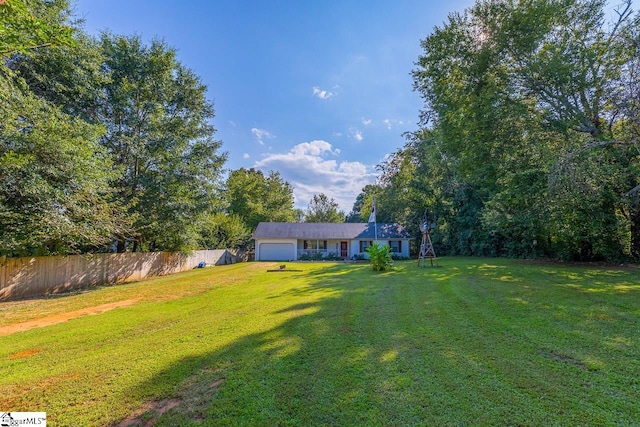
286,241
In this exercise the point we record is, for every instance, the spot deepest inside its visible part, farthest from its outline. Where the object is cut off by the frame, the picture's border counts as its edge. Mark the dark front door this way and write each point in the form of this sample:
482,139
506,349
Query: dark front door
343,249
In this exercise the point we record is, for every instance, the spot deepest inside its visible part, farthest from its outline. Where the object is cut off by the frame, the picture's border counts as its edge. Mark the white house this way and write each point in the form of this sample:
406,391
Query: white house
285,241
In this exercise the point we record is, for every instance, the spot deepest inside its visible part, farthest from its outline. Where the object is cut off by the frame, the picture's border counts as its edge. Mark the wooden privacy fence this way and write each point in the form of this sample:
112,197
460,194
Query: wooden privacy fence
32,276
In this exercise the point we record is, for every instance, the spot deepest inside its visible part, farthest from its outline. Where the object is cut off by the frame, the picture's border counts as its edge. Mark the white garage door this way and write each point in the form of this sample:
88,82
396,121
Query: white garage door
276,251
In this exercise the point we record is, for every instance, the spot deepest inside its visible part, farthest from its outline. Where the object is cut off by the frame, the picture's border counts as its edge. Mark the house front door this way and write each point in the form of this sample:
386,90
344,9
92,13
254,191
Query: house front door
343,249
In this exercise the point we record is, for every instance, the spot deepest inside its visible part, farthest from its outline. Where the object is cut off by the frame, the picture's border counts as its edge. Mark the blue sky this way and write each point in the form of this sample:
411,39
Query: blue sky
319,91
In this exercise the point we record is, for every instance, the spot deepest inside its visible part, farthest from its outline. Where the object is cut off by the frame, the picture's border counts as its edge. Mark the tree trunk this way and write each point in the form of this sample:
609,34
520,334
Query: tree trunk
635,232
586,250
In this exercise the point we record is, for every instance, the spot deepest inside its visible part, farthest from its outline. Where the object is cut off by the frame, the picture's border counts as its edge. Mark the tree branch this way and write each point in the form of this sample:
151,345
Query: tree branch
633,192
7,52
598,144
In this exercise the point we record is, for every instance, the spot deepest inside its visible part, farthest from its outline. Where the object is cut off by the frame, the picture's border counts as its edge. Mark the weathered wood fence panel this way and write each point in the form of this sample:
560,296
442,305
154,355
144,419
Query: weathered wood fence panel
32,276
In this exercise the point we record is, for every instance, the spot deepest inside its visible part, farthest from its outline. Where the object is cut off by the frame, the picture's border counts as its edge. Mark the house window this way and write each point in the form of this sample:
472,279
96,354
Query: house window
315,244
364,244
395,245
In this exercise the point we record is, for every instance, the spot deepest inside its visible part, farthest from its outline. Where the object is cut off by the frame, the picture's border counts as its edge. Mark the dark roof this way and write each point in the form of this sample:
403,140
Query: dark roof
323,230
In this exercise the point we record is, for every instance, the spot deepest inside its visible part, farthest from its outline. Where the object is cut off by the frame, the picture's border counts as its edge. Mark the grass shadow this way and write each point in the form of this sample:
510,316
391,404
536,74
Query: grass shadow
405,347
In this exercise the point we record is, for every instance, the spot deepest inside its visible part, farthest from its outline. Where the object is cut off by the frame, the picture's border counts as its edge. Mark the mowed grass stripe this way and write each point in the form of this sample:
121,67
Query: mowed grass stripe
474,342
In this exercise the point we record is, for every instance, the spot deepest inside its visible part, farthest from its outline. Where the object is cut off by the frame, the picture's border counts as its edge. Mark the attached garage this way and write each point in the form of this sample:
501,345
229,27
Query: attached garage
276,252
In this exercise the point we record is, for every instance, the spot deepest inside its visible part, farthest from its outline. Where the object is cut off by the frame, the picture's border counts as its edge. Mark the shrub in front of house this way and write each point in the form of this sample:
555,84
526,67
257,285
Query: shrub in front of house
380,256
319,256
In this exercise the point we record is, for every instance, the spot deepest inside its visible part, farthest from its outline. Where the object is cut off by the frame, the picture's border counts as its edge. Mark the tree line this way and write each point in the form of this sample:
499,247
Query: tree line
527,145
107,144
529,136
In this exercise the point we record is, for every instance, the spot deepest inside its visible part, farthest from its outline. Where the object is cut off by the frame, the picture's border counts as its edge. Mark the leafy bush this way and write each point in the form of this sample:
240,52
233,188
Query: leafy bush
380,256
332,256
399,257
318,256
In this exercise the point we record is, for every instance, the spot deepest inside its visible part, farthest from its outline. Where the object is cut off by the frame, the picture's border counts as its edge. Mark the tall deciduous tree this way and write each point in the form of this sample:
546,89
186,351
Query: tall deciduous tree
257,198
224,231
527,104
53,198
29,25
71,77
323,209
159,135
55,194
101,140
362,206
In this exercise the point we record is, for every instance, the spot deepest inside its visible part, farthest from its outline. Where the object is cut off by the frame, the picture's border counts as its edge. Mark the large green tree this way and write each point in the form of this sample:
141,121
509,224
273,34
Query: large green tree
257,198
55,197
34,24
224,231
71,77
417,183
362,206
54,193
528,107
104,140
323,209
159,135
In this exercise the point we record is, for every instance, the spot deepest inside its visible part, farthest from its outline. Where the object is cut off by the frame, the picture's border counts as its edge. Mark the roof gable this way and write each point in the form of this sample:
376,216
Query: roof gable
320,230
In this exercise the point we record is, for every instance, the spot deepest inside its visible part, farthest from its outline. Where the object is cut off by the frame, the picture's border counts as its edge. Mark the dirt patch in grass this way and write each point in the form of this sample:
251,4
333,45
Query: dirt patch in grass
193,401
217,383
25,353
566,359
63,317
146,415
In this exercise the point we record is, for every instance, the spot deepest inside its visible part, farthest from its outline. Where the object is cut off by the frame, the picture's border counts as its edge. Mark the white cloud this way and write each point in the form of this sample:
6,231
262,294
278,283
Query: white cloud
261,135
389,123
313,148
355,134
314,168
246,156
323,94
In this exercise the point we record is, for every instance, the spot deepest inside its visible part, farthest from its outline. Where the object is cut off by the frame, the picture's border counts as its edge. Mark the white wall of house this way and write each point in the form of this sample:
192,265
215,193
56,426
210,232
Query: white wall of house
317,245
355,246
404,247
266,247
333,246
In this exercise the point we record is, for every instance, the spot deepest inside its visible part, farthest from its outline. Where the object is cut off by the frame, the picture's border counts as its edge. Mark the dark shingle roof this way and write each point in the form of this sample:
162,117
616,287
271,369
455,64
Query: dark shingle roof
320,230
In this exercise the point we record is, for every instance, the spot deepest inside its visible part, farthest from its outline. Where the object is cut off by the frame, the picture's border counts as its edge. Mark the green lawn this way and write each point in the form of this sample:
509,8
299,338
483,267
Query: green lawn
473,342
